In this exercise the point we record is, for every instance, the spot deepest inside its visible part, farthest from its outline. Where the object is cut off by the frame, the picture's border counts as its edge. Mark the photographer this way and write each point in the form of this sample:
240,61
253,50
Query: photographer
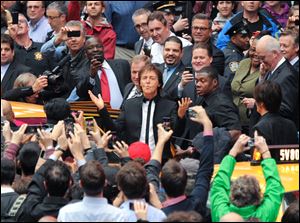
27,88
243,196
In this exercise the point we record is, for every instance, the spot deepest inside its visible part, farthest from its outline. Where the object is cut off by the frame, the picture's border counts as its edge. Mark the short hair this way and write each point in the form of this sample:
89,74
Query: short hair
57,109
43,3
202,16
5,38
294,35
7,110
28,157
174,39
204,46
60,7
92,178
291,214
132,180
270,43
210,71
184,216
152,68
24,79
245,191
57,179
269,92
141,58
8,171
159,16
77,23
141,11
173,178
293,9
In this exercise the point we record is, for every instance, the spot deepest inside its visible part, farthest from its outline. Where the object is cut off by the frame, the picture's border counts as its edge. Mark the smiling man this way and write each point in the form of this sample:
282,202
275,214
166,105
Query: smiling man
159,32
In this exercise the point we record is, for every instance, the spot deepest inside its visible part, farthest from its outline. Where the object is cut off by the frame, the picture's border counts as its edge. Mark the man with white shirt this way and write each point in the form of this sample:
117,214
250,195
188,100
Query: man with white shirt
159,31
289,45
108,78
10,68
275,67
39,26
140,18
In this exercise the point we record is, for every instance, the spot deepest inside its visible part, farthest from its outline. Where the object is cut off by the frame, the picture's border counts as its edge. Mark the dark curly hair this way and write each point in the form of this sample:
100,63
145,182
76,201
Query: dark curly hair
245,191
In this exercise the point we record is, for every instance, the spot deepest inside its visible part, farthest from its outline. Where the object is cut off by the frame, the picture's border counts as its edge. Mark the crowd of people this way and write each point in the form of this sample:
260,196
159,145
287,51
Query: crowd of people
194,82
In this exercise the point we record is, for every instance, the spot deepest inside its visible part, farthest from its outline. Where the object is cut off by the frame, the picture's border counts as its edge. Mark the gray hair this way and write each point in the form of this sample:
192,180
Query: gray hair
141,11
270,43
76,23
60,7
24,79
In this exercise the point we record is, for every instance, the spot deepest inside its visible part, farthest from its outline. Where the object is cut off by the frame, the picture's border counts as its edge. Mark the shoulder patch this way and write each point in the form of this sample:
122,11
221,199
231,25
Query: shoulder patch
233,66
38,56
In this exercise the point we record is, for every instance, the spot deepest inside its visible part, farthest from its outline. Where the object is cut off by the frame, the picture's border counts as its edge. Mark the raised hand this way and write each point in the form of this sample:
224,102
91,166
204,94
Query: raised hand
183,106
163,135
97,101
17,136
121,149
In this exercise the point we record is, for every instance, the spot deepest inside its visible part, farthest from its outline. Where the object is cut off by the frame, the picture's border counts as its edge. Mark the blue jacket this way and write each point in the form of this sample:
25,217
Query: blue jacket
268,24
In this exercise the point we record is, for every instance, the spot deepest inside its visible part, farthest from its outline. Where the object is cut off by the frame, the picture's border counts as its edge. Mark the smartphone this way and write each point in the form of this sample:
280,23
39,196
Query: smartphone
89,124
113,139
32,129
189,69
15,18
131,206
69,126
99,57
191,113
74,33
167,123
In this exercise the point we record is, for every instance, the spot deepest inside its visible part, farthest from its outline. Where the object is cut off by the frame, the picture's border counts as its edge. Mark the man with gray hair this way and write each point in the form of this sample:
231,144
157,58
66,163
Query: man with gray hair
275,67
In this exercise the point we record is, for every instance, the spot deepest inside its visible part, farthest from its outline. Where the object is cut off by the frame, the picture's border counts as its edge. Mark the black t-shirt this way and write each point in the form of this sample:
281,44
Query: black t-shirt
256,26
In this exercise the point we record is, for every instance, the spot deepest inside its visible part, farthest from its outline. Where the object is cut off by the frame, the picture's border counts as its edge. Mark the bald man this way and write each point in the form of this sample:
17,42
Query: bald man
275,67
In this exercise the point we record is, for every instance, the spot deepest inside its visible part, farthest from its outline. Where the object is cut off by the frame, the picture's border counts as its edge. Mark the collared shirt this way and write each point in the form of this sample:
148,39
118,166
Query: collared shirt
4,68
116,97
134,93
92,209
5,190
38,32
158,49
278,65
151,141
293,61
153,215
167,73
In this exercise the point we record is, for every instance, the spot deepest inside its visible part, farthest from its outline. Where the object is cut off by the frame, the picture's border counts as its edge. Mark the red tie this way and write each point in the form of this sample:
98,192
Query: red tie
105,87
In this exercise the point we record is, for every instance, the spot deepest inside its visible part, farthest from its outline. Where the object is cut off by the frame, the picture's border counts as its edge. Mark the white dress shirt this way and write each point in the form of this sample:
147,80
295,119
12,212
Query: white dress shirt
116,97
4,68
293,61
151,141
38,32
92,209
158,49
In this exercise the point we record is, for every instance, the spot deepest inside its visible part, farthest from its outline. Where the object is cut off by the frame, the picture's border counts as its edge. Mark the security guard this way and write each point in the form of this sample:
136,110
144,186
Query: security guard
239,42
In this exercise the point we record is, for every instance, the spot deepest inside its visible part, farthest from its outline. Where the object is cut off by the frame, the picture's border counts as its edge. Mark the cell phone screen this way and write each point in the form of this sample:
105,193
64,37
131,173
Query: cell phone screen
131,207
89,125
73,33
15,17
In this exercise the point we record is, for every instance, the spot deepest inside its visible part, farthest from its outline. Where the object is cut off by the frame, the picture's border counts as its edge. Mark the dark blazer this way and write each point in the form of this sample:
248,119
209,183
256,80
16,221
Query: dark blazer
13,71
296,66
170,89
127,90
277,130
138,46
121,69
129,123
286,76
218,57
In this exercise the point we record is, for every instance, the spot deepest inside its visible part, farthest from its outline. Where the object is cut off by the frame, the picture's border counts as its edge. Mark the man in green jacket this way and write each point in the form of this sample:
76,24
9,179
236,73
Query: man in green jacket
243,195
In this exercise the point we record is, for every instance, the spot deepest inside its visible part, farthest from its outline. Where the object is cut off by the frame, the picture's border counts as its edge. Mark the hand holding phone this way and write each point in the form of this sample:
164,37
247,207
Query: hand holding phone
89,125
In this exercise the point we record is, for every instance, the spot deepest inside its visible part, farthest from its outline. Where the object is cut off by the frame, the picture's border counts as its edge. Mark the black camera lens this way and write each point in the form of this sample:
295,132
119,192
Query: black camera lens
250,143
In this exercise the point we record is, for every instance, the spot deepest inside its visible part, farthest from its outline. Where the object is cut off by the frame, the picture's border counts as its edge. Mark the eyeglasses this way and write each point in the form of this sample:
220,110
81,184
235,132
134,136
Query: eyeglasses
53,17
202,29
138,26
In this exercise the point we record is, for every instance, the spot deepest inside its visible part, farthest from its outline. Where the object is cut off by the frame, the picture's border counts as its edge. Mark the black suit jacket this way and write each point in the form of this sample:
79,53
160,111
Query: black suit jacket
13,71
138,46
277,130
218,57
121,69
296,66
170,89
129,123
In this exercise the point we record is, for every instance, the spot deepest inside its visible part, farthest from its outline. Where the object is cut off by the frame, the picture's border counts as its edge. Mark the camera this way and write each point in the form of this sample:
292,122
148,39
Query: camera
74,33
147,51
191,113
189,69
167,123
99,57
250,143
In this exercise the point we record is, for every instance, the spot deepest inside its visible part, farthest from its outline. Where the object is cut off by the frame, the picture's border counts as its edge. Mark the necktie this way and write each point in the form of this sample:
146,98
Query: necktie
104,86
166,74
148,122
